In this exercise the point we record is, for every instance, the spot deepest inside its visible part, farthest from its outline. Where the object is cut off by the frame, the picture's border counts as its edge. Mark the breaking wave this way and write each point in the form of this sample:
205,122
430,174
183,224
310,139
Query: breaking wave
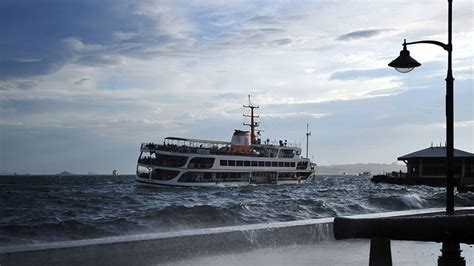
38,209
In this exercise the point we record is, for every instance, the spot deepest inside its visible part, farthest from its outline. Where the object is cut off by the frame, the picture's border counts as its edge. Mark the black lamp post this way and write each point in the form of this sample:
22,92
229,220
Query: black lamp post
404,64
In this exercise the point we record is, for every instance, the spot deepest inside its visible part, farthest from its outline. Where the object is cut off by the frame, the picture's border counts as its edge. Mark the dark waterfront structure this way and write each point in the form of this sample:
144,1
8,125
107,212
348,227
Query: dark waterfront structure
430,164
428,167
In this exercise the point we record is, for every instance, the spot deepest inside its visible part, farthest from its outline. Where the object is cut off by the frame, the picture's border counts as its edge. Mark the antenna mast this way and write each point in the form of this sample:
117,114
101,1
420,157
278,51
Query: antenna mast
308,133
253,124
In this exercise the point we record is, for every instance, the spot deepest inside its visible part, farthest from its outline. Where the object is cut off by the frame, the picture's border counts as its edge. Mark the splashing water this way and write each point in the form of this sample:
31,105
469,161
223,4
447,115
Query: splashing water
37,209
413,201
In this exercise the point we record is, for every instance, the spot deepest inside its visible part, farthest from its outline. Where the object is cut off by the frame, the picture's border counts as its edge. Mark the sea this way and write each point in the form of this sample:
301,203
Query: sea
40,209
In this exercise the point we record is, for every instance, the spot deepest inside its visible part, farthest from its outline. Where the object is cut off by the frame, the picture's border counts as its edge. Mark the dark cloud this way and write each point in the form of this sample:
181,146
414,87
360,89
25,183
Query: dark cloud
29,108
25,84
274,30
81,81
18,69
362,34
40,37
283,41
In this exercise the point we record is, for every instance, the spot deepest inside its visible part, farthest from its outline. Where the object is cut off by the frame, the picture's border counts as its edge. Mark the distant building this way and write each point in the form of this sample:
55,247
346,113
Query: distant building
428,167
431,163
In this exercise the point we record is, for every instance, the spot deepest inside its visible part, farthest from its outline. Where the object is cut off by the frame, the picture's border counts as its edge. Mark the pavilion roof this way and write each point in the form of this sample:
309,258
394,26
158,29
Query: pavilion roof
434,152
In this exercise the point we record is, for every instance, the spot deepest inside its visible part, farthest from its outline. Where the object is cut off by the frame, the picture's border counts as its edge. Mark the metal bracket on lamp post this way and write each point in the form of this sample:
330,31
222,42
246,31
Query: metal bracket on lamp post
447,47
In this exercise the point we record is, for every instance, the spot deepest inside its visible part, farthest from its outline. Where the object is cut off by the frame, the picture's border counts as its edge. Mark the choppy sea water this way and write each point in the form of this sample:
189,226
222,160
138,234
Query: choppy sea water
36,209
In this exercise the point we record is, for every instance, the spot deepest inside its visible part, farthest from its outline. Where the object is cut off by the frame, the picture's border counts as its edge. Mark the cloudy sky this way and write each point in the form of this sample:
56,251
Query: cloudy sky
84,82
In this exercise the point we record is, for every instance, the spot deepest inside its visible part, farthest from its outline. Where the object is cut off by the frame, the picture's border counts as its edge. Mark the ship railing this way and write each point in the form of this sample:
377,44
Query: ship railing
176,147
280,144
194,143
197,150
160,162
220,148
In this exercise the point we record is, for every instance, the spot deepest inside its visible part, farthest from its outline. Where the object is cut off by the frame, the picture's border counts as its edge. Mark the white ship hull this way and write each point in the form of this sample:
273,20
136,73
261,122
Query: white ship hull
186,167
156,183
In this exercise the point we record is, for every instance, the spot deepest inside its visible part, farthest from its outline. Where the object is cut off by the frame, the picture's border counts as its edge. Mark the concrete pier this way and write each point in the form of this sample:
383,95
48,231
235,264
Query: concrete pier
309,241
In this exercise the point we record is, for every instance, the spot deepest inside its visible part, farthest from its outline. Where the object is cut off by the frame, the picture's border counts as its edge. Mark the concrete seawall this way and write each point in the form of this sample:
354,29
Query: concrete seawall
157,248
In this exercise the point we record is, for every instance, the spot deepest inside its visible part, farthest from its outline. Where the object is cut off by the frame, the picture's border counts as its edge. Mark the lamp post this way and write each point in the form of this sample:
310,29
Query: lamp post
404,64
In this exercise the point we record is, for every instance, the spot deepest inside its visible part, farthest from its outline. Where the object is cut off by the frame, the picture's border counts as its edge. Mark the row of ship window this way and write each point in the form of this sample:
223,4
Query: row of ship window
206,162
256,163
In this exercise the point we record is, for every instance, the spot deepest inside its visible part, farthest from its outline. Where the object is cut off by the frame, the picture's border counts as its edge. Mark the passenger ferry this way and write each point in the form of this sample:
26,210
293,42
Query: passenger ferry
245,160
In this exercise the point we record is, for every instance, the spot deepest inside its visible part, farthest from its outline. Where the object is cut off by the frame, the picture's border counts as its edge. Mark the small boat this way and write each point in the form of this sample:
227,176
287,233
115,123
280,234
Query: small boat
366,174
245,160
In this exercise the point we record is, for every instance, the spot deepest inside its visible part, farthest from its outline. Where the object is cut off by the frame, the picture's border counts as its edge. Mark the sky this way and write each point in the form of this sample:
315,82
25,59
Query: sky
84,82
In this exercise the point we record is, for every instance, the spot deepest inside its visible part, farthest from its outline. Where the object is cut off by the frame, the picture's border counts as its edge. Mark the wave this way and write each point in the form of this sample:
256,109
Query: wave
398,202
45,232
90,207
413,201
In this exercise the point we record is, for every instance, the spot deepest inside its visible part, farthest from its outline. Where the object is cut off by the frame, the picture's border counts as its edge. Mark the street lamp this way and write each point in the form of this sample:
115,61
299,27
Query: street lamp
404,64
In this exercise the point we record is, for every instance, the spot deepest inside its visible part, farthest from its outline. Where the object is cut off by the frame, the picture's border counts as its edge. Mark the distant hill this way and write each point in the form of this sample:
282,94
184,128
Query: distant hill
65,173
354,169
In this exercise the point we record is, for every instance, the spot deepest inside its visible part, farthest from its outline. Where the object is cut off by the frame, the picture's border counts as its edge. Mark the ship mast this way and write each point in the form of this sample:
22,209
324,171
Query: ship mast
308,133
253,124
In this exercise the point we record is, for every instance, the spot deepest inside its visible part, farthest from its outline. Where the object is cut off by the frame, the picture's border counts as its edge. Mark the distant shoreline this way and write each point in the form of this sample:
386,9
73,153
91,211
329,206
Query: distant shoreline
71,175
334,169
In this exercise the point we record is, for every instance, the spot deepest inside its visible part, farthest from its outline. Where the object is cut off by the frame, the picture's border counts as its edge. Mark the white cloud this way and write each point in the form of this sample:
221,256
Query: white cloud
172,64
124,36
469,123
289,115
